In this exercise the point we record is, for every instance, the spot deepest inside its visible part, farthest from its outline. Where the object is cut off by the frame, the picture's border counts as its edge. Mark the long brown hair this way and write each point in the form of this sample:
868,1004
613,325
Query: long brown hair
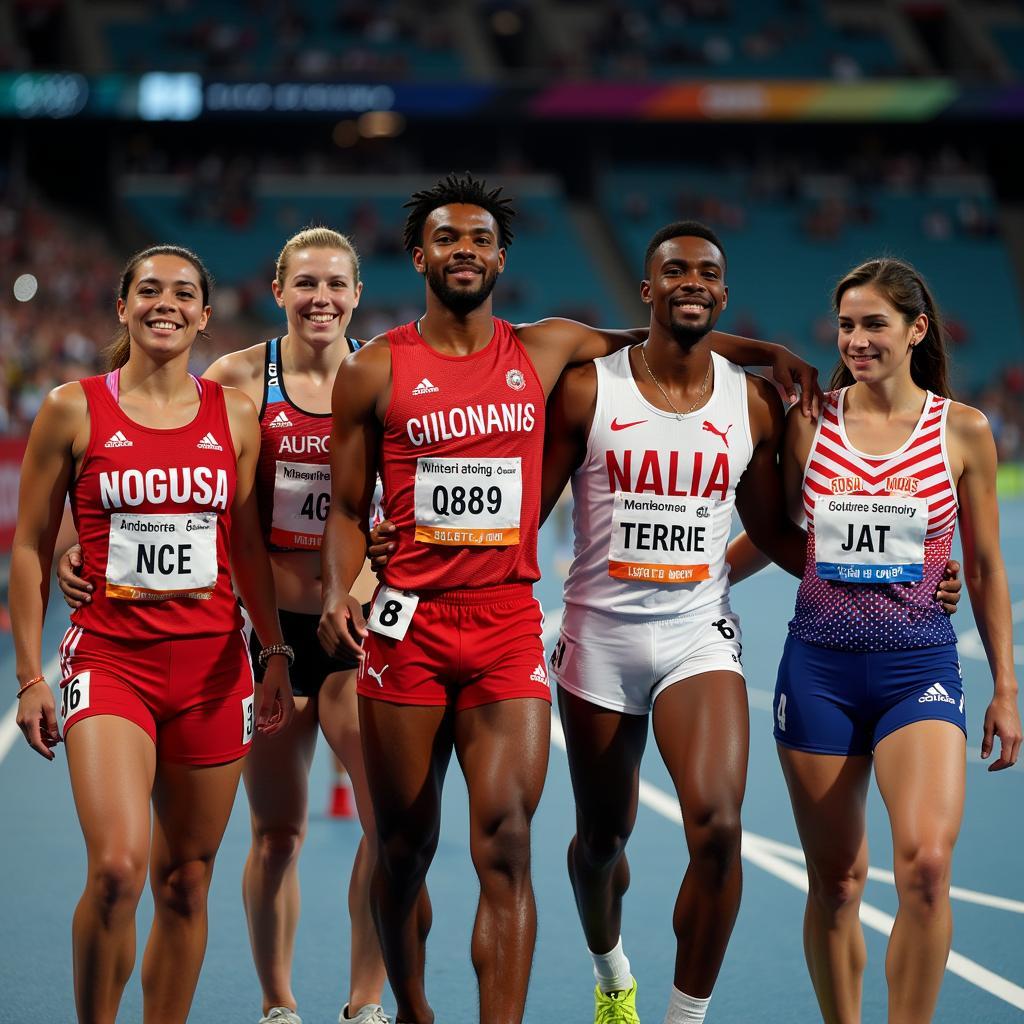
119,349
905,289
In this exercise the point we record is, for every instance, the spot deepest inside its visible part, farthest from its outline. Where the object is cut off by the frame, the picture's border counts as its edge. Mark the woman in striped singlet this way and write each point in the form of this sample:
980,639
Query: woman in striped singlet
870,674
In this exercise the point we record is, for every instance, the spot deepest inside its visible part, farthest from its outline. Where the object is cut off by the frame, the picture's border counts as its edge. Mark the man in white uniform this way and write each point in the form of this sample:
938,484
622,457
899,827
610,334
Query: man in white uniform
661,441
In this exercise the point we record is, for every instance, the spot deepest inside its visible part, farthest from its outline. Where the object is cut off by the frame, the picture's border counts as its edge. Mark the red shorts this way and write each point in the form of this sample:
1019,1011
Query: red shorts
463,648
193,697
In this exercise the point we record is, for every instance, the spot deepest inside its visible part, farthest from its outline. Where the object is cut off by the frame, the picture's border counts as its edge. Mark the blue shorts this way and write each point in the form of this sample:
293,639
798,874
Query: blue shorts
846,702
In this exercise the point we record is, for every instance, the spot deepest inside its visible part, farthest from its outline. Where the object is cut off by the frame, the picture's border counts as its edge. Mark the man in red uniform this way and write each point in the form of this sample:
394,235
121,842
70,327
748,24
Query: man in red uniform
450,411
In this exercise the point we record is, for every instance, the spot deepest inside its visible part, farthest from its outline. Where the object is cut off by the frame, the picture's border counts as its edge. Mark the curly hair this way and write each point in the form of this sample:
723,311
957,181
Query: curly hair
455,189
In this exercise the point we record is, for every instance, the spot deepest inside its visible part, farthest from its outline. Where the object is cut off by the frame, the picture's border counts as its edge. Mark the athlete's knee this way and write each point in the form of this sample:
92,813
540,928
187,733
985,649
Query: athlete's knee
182,887
923,874
836,886
404,856
714,835
116,881
277,847
600,844
501,845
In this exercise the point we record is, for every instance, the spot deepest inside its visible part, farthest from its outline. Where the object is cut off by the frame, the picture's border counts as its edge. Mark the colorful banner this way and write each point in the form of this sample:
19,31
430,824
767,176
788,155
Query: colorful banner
12,450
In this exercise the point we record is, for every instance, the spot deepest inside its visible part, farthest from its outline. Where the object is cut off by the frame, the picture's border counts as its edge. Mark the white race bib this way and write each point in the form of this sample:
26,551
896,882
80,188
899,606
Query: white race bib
475,502
870,538
74,696
391,613
302,499
159,557
661,540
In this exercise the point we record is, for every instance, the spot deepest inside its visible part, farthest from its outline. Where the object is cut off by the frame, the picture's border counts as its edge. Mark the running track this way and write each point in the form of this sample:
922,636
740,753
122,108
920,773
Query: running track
763,979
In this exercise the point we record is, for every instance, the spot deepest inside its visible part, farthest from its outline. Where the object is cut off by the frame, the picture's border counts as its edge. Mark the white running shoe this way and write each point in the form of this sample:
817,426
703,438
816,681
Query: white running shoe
371,1013
280,1015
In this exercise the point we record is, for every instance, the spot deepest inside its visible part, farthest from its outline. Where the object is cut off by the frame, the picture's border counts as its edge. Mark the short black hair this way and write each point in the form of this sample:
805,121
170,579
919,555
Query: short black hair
455,189
681,229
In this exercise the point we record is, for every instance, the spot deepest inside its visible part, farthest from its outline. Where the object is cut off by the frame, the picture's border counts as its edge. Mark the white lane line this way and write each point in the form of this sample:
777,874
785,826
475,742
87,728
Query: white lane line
764,853
758,851
982,899
9,730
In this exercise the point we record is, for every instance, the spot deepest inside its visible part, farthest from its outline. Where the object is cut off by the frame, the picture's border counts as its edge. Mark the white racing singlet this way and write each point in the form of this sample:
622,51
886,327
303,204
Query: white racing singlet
653,498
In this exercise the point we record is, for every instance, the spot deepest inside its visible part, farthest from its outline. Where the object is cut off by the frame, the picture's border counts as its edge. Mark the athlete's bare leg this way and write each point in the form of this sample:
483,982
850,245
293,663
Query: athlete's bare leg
604,748
703,732
277,782
191,809
828,794
503,750
406,750
339,720
920,771
112,763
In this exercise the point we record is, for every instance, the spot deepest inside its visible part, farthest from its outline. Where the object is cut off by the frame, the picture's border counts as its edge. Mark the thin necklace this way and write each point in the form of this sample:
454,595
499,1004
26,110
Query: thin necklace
664,393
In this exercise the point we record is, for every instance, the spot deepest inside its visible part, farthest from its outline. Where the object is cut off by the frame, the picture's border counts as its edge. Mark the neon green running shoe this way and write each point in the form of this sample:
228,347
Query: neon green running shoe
616,1007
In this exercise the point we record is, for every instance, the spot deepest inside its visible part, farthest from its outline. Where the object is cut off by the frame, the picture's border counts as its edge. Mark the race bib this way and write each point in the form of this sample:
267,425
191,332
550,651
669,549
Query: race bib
74,696
661,540
159,557
391,613
475,502
870,539
302,499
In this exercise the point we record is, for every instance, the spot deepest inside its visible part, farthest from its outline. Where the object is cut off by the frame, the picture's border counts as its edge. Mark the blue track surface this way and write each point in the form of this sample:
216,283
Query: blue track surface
763,980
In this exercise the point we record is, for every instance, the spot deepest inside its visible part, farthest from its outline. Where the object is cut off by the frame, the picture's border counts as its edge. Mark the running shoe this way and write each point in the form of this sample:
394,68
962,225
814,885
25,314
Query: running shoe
371,1013
616,1007
280,1015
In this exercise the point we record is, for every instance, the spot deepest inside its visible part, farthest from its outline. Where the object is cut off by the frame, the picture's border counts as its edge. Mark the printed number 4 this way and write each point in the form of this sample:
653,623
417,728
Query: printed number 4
70,698
781,712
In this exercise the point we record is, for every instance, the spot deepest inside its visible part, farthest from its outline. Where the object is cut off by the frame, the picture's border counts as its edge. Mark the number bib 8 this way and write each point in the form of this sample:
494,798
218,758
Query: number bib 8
302,499
475,502
159,557
391,613
870,539
661,540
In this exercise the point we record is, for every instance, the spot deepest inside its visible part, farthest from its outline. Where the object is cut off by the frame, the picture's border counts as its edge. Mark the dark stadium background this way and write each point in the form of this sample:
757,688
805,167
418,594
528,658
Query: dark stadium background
811,134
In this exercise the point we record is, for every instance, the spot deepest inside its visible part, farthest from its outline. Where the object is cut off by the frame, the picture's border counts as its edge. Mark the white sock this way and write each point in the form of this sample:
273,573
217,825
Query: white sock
611,969
684,1009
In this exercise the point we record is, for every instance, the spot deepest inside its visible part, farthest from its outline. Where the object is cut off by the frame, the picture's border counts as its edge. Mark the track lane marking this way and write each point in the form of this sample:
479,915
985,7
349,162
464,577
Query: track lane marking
765,854
9,730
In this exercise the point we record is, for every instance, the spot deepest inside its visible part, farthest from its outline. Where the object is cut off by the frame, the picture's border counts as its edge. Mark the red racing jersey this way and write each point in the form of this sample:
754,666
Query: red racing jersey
153,512
460,463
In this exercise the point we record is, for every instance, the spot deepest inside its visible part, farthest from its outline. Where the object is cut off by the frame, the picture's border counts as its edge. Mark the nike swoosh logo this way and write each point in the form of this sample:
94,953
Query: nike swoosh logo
616,425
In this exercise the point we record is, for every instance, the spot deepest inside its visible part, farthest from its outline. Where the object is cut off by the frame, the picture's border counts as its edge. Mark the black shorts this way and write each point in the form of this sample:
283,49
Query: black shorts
312,663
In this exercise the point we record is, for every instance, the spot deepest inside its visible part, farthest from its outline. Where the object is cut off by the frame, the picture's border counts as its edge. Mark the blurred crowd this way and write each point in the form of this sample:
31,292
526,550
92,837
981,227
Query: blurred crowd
59,332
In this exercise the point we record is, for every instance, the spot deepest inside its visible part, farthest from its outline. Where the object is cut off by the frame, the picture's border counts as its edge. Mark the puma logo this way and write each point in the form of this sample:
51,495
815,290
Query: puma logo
376,675
711,428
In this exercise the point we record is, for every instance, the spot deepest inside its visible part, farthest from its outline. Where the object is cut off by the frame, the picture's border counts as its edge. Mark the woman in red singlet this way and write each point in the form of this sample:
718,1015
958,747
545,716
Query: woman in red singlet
157,707
289,379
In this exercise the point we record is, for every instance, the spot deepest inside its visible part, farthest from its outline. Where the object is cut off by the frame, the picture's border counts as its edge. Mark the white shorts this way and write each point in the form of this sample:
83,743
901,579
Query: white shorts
623,664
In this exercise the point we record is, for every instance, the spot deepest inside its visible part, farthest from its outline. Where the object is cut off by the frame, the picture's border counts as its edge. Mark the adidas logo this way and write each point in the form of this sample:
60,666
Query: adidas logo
936,692
424,387
210,442
118,440
280,420
538,675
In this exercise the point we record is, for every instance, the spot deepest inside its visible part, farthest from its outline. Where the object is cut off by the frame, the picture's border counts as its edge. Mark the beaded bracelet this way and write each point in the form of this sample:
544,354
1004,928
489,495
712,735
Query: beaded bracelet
31,682
266,653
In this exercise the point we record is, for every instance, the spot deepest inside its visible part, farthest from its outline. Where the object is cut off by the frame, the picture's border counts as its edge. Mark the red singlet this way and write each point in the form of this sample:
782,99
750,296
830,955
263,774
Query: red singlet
153,512
461,463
